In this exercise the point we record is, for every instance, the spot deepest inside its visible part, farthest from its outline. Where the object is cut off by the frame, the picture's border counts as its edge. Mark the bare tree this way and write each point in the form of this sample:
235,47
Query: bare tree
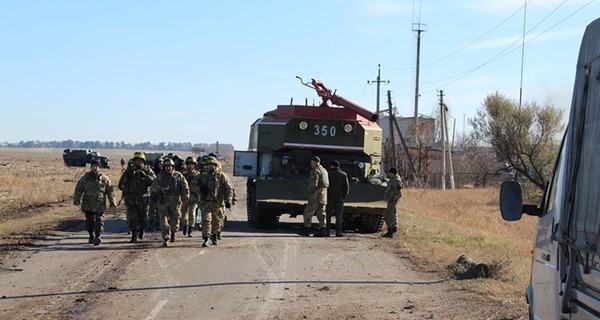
478,163
524,137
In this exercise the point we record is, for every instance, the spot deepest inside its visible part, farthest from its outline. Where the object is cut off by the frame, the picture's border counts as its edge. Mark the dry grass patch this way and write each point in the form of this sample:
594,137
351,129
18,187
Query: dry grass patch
438,226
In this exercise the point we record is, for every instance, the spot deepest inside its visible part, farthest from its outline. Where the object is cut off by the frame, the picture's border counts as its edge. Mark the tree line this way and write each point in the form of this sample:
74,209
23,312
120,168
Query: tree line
74,144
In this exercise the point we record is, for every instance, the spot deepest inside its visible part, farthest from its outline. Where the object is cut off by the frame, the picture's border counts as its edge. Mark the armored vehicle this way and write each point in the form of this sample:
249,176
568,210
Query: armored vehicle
81,157
282,142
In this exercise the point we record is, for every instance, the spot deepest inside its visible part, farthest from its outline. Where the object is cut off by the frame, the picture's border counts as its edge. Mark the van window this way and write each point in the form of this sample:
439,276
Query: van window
557,182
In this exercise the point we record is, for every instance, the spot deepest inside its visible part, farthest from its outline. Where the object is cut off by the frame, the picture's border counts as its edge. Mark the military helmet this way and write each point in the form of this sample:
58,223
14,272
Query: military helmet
96,162
212,160
139,155
168,162
176,157
204,159
189,160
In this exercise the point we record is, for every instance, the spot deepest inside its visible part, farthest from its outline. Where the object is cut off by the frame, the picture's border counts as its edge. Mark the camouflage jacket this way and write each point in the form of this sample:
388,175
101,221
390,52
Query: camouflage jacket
175,183
318,184
191,177
215,187
137,182
92,191
393,191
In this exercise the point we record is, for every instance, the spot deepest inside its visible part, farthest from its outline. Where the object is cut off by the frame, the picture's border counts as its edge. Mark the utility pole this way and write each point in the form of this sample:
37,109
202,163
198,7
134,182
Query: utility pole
449,149
443,131
378,81
392,139
419,28
445,144
406,153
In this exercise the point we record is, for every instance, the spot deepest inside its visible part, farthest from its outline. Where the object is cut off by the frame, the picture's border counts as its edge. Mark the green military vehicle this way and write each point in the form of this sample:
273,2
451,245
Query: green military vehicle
81,157
282,142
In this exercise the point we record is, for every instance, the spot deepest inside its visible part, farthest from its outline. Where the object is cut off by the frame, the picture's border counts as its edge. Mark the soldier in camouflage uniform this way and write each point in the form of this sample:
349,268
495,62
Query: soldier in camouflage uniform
172,190
91,193
317,198
216,192
178,163
153,220
392,194
188,211
135,183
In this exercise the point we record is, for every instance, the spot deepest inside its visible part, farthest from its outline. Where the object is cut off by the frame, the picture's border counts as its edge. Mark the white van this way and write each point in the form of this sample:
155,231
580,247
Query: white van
565,271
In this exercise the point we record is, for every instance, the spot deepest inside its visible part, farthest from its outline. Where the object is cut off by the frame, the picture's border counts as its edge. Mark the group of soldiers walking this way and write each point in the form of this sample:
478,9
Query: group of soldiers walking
171,192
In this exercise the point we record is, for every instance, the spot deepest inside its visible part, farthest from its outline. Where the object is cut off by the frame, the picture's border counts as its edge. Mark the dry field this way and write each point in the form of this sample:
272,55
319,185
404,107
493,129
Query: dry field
436,226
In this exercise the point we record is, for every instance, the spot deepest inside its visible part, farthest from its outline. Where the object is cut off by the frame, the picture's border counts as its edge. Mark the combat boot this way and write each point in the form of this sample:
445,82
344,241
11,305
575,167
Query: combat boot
172,237
97,241
189,231
133,237
213,239
389,233
91,240
205,243
141,234
185,229
219,235
305,232
165,243
319,233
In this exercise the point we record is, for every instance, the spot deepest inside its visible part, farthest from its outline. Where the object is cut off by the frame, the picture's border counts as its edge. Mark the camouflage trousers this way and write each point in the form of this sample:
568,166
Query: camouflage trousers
314,207
137,211
391,217
153,219
212,217
168,212
188,213
94,222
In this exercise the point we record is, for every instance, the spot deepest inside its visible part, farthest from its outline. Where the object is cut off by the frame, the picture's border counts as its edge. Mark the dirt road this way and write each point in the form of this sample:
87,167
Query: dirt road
250,274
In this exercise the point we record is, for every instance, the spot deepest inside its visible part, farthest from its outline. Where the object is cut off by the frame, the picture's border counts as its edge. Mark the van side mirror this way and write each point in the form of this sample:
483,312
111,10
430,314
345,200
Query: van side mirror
511,202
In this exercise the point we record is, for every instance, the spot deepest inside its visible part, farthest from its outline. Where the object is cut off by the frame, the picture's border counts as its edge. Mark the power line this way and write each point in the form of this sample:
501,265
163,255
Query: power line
464,47
506,50
479,38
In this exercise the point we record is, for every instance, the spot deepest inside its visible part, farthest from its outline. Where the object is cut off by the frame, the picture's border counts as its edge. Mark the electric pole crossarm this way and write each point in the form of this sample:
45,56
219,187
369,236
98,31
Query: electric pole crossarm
378,82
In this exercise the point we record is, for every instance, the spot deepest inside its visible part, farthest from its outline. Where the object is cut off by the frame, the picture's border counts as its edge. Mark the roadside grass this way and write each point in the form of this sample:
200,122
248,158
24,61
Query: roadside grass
437,226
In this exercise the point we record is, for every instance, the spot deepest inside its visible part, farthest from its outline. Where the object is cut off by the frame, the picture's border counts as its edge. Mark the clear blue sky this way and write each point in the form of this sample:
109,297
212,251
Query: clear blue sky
202,71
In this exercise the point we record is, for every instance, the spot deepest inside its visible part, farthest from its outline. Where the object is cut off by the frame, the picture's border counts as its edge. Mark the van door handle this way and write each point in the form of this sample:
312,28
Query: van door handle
546,256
